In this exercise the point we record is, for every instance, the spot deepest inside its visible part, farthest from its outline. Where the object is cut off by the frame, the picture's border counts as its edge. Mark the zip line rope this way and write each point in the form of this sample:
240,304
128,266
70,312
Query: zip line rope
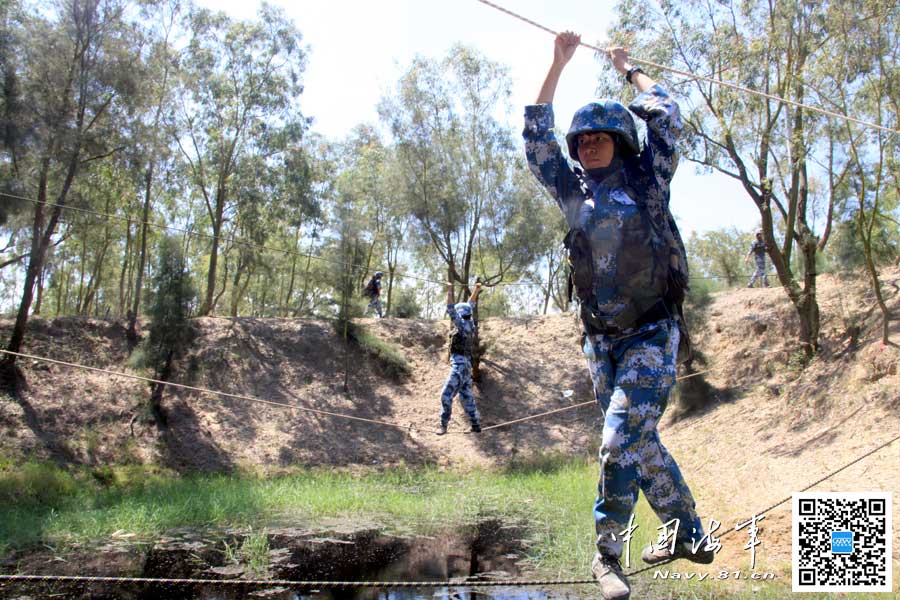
203,390
712,80
328,584
239,242
289,582
393,584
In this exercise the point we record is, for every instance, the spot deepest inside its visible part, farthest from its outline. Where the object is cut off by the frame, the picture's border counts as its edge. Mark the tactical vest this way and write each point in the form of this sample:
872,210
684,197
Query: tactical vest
371,289
460,343
621,247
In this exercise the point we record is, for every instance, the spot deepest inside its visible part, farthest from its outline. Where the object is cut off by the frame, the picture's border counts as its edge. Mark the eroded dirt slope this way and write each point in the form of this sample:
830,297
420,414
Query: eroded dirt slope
770,428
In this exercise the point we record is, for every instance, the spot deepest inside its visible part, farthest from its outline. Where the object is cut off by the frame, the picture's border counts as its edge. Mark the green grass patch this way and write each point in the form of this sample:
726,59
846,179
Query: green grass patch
551,495
389,356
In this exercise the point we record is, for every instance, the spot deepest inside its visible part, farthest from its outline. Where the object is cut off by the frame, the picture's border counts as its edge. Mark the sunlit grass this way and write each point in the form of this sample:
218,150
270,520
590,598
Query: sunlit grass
551,496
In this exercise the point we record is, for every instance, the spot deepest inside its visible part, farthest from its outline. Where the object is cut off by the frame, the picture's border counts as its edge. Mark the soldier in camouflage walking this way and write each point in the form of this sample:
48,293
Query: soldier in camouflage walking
462,339
758,251
630,272
372,291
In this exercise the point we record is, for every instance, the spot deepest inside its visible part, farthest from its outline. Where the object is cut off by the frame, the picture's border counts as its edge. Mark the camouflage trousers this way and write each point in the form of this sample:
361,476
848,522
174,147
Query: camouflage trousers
632,377
375,305
760,273
459,381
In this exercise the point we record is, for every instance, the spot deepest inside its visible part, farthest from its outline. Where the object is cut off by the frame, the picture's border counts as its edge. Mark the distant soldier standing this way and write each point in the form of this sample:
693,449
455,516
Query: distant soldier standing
462,340
758,251
373,292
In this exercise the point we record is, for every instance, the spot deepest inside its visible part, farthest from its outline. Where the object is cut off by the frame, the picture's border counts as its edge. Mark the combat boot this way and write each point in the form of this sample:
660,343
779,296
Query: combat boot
476,428
654,554
608,573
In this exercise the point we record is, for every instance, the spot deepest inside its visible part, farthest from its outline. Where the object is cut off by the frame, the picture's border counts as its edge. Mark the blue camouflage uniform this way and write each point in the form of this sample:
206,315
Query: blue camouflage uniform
460,379
632,370
375,303
758,248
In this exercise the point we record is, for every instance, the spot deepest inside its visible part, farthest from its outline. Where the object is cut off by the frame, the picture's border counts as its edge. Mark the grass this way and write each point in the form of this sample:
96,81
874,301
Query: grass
550,495
391,359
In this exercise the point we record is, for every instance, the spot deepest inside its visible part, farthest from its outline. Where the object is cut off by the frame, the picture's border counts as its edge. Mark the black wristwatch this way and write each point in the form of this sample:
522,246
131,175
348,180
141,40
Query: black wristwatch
630,73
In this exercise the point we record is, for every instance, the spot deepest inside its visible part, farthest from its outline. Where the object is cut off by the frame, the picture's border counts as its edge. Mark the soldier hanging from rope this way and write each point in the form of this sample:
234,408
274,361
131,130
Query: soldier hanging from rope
462,340
630,274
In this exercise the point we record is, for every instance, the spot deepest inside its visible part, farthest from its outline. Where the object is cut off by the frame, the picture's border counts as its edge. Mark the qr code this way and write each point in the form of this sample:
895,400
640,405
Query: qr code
841,542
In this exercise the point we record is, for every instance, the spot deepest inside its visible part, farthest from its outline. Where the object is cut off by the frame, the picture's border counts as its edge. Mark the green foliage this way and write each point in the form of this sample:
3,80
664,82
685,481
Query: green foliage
169,306
404,304
254,553
34,483
388,356
720,254
698,298
846,249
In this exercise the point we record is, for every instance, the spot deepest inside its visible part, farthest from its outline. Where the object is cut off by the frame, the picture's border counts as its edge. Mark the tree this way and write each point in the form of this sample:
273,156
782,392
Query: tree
158,88
719,254
763,143
240,87
78,69
457,164
169,311
869,72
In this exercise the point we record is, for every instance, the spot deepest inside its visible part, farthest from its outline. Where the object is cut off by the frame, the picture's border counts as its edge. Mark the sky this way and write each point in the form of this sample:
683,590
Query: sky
371,43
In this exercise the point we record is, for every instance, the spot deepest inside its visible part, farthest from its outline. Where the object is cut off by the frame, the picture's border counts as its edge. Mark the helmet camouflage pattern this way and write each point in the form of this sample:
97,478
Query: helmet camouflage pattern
604,115
463,309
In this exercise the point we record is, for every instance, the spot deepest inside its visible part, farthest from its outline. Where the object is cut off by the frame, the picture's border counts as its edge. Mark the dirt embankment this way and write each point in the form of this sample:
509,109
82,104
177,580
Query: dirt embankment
770,426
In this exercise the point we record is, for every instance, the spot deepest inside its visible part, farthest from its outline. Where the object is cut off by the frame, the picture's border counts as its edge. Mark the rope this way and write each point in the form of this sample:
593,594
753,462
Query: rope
390,584
288,582
544,414
408,427
690,75
202,390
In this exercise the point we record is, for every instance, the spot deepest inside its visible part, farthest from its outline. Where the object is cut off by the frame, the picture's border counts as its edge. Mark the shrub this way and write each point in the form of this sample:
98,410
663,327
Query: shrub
388,356
35,482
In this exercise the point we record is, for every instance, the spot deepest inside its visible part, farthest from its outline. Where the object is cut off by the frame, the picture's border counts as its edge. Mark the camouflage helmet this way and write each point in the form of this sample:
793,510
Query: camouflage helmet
463,309
604,115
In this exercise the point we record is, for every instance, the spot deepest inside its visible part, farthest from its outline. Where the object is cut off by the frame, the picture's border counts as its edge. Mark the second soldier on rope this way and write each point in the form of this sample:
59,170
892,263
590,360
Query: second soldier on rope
462,342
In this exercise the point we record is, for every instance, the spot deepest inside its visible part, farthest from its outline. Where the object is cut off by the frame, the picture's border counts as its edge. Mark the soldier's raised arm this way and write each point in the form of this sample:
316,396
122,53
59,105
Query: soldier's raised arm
563,50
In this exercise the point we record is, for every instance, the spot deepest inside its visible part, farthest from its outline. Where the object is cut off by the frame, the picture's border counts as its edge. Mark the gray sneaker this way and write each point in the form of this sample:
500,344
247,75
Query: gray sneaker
653,554
442,429
608,573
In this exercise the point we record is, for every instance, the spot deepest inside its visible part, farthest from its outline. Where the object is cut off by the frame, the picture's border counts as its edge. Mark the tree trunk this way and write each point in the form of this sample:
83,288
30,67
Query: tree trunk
79,308
40,241
142,256
210,302
126,260
40,293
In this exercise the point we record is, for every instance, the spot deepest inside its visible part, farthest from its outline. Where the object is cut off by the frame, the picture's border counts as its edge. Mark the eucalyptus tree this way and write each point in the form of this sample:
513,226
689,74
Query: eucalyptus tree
241,82
370,181
719,254
865,80
457,161
150,145
77,72
762,142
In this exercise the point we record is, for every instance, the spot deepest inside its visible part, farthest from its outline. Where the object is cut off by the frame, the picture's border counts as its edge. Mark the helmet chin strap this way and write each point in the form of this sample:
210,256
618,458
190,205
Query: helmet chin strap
600,173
